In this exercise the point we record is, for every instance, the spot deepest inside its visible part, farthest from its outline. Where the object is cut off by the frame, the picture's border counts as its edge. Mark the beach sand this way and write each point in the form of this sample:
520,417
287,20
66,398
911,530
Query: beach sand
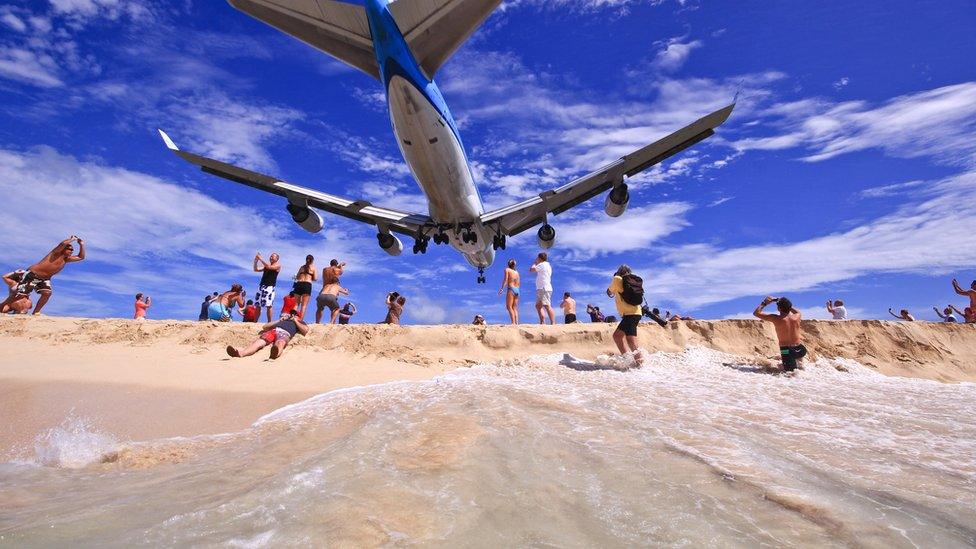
153,379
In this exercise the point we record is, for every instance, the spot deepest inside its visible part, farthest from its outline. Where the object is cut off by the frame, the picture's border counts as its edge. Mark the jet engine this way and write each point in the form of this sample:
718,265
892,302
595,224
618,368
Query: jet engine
617,201
547,236
390,243
306,218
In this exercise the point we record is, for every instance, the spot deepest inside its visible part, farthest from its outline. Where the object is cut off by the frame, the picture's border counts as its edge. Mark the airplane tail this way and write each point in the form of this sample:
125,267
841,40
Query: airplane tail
336,28
435,29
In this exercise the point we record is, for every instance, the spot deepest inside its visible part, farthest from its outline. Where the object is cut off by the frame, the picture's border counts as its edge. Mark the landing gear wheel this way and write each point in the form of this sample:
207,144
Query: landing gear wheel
498,242
470,237
481,275
420,245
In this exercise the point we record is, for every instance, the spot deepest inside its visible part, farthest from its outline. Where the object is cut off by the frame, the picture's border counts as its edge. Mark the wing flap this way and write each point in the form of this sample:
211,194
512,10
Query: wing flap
357,210
336,28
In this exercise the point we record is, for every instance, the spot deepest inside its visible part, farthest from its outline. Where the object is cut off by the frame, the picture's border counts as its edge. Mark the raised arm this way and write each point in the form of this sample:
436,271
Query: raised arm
758,313
958,288
9,281
81,251
302,327
269,325
830,306
257,259
890,312
938,312
958,312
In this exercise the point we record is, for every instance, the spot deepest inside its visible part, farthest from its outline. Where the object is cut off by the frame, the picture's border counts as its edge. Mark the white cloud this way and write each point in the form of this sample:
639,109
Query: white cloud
927,236
674,53
637,229
938,123
842,83
14,22
28,66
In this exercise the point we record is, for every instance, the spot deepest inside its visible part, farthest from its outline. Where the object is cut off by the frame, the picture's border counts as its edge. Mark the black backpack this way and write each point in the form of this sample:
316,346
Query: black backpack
633,293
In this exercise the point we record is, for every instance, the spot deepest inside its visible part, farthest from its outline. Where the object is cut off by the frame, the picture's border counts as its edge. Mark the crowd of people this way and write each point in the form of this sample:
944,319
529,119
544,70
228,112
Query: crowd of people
625,287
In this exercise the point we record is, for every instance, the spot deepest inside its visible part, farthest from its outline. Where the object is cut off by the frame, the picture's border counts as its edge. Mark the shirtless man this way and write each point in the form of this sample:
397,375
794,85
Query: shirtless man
787,324
269,279
277,334
568,306
20,305
37,277
219,308
971,293
329,296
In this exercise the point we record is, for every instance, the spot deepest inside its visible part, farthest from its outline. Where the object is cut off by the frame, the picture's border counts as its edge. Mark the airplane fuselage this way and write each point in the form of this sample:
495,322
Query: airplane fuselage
428,139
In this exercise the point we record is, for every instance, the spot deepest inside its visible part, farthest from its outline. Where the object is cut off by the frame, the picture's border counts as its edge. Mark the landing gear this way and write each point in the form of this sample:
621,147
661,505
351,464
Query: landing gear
498,242
469,237
420,245
481,275
441,238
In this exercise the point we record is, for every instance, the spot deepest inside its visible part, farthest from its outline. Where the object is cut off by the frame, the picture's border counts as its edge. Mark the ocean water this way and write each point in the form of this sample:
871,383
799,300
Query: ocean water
693,449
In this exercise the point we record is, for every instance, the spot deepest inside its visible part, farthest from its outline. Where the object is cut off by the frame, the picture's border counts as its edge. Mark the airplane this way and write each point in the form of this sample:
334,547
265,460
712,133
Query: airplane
402,43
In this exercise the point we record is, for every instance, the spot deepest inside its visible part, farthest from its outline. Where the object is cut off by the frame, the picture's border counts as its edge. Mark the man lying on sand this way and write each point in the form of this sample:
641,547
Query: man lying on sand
277,334
19,305
37,277
787,324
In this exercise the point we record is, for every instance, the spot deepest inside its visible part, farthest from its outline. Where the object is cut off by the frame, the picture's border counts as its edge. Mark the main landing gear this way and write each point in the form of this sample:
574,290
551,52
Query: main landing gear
498,242
420,244
481,275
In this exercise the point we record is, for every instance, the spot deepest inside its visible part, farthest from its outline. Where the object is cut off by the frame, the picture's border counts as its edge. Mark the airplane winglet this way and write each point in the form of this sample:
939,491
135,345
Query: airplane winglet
169,142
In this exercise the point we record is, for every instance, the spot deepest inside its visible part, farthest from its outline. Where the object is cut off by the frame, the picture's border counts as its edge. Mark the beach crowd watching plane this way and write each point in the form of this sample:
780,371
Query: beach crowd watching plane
402,44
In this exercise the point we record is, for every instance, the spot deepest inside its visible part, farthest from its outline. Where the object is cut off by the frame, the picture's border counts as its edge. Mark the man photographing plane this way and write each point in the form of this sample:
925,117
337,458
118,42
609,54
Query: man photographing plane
37,277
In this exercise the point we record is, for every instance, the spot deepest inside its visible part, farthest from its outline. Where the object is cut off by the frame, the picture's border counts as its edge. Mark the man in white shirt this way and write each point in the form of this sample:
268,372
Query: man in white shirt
837,309
543,287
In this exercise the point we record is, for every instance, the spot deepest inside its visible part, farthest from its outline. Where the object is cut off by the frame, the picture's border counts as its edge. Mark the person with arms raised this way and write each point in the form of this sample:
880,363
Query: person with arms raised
37,277
543,287
787,325
269,280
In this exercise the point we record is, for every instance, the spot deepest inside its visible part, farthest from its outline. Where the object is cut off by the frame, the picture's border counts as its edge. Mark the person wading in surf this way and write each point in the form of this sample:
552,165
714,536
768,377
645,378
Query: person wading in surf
787,324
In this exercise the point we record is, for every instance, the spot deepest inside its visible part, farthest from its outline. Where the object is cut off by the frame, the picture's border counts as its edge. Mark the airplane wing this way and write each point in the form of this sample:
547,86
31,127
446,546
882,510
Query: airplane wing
435,28
337,28
359,210
519,217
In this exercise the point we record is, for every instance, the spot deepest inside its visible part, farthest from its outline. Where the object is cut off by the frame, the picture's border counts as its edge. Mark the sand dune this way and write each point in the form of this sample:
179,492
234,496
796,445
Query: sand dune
168,378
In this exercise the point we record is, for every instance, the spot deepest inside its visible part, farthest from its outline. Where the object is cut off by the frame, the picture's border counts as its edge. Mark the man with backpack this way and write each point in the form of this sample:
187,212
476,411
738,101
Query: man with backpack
628,291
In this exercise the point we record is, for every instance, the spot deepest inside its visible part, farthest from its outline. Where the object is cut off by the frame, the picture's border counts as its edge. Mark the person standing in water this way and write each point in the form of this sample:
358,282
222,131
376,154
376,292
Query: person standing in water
511,285
37,277
269,280
787,324
568,305
142,305
543,287
303,284
628,292
329,296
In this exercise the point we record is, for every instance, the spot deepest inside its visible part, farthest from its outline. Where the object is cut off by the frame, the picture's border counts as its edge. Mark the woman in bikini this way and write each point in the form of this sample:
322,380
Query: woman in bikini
303,284
510,285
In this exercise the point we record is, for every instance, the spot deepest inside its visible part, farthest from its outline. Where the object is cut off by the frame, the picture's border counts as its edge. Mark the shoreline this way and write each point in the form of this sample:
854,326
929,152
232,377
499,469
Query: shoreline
142,380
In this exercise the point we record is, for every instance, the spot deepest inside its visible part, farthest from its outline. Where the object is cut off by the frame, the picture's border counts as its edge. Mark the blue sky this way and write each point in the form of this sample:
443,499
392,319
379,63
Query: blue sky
848,169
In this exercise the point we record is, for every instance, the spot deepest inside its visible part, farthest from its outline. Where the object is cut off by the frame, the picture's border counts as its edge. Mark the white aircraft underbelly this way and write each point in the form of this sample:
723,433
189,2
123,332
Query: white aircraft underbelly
434,155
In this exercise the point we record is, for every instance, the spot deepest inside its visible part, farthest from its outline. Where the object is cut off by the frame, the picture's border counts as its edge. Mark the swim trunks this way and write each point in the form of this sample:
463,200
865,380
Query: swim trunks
265,297
302,288
327,300
570,318
544,297
628,324
790,355
217,311
30,282
277,334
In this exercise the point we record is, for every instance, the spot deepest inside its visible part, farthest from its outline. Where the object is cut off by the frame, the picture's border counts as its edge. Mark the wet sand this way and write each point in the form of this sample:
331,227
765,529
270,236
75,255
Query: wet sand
146,380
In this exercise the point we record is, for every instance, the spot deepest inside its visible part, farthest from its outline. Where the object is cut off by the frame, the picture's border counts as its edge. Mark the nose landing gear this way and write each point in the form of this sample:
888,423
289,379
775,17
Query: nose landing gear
481,275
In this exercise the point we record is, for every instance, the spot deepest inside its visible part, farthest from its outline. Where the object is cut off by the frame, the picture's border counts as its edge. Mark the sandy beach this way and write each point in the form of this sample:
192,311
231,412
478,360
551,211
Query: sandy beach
153,379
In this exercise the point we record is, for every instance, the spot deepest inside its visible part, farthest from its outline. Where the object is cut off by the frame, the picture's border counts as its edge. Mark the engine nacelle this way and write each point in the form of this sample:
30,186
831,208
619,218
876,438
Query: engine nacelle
389,243
547,236
306,218
617,201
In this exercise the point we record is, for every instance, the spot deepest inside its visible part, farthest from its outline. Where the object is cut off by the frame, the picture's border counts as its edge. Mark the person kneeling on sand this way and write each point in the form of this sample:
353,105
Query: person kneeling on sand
395,303
787,324
277,334
16,305
628,291
902,315
219,308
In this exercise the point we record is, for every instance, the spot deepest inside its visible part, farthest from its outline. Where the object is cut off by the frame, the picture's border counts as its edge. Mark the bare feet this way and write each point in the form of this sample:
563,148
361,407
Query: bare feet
233,352
275,352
